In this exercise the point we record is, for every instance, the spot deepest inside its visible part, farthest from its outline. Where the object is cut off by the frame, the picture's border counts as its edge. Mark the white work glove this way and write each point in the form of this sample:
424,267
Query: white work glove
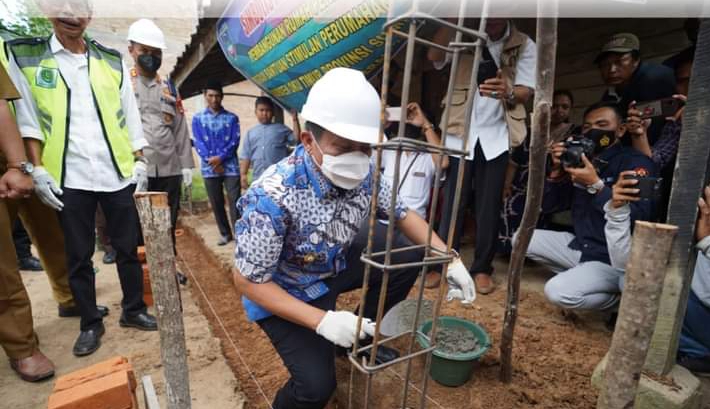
461,285
187,177
47,189
140,176
339,328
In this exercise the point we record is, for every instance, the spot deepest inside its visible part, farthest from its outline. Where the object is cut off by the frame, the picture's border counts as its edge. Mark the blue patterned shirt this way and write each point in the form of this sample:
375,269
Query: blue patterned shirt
296,227
216,134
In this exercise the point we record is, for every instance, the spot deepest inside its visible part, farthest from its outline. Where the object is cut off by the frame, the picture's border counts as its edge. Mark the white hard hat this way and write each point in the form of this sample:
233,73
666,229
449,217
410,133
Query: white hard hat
344,103
145,32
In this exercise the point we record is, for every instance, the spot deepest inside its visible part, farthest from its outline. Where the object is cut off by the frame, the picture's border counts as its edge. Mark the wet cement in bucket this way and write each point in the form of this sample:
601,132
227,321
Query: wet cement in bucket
455,340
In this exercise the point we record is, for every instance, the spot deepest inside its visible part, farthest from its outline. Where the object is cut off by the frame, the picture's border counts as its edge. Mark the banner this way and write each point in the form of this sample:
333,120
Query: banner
285,56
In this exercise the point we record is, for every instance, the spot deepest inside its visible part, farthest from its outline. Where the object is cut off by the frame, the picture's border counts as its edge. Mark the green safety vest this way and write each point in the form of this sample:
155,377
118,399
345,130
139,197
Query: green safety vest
53,99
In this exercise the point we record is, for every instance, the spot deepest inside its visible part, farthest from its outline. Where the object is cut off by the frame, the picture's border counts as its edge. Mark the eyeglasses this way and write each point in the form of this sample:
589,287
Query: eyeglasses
615,61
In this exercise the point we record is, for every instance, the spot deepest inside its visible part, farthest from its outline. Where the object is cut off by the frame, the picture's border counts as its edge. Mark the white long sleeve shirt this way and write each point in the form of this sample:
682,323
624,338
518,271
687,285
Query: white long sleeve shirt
88,164
618,239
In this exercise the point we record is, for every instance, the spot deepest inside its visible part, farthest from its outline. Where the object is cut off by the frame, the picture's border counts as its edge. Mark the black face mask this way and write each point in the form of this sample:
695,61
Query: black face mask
602,138
149,62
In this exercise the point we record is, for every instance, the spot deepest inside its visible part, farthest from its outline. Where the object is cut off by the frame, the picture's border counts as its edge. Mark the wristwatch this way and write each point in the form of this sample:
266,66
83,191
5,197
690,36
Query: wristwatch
25,167
595,187
510,97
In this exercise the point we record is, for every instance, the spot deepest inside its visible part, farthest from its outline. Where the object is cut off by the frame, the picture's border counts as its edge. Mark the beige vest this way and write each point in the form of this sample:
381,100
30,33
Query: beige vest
514,115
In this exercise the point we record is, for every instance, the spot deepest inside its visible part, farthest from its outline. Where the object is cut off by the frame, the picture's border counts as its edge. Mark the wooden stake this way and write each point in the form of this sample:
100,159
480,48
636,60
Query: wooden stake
154,213
645,272
546,52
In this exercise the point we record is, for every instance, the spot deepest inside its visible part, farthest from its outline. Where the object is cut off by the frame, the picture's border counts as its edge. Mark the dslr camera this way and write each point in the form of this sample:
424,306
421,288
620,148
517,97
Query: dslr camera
578,145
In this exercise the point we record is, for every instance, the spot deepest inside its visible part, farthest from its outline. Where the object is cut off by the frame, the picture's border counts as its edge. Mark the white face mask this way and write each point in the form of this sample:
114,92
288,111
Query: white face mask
347,170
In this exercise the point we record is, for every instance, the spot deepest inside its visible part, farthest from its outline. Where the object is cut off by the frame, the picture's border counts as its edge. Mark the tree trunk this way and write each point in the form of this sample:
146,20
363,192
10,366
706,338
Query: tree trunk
645,271
546,51
154,213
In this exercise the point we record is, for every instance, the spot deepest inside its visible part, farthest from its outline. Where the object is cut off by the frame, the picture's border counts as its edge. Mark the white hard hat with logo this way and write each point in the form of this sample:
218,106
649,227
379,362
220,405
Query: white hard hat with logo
346,104
146,32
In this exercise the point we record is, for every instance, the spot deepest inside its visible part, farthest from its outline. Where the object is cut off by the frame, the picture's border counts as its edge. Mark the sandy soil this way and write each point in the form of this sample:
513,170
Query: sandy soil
212,383
554,357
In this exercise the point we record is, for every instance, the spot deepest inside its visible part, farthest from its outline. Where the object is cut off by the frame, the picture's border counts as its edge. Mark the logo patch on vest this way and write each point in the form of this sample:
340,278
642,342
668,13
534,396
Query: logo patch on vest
46,77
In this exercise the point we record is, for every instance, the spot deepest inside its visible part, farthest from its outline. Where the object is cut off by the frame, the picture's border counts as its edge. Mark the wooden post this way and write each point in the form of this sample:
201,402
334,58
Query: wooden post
688,181
645,271
546,37
154,213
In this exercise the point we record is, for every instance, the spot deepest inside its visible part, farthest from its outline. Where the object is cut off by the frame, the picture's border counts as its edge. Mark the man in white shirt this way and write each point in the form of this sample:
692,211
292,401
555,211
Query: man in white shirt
506,81
83,133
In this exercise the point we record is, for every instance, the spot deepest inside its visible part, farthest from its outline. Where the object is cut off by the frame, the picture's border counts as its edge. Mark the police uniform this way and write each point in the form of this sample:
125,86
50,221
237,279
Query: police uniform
165,128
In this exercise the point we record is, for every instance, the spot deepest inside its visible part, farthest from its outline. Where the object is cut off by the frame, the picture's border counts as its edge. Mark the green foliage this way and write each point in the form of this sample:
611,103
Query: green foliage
24,20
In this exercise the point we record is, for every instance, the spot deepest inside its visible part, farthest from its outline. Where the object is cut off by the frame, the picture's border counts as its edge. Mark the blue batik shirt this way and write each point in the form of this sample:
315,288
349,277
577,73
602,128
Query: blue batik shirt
216,134
296,227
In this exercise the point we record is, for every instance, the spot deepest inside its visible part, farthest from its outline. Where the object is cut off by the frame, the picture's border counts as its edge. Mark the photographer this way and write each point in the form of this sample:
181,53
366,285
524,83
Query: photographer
581,181
663,151
694,346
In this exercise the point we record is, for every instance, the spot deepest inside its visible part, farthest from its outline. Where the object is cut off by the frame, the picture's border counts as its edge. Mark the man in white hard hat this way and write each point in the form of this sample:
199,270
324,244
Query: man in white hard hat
81,126
298,220
169,151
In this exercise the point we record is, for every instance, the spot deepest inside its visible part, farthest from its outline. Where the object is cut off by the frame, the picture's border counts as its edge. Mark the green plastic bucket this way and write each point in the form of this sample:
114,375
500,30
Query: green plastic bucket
453,369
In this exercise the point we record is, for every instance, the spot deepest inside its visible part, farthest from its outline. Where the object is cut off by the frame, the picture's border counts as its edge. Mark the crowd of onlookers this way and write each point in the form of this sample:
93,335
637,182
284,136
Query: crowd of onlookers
612,168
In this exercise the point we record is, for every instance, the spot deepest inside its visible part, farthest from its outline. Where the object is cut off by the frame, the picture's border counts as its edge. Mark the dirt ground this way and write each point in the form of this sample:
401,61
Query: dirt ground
553,358
212,383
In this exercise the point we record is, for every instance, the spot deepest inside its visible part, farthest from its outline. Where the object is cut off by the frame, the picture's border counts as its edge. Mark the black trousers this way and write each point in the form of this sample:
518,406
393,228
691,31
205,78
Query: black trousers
171,185
78,221
483,185
310,358
22,241
215,192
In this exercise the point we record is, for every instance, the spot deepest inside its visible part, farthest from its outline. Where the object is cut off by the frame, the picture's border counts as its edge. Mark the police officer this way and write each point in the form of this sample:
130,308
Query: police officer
169,152
84,137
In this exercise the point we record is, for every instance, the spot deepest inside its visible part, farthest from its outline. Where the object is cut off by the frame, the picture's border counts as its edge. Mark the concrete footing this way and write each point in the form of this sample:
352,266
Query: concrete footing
680,389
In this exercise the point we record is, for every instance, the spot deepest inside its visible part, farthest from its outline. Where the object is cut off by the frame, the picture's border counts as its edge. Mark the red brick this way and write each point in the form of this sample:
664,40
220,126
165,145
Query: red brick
147,289
141,254
101,369
113,391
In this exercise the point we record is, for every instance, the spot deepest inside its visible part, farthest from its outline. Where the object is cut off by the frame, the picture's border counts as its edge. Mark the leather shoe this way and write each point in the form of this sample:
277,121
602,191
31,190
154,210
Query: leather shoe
109,257
66,312
33,368
142,321
88,341
30,263
484,283
224,240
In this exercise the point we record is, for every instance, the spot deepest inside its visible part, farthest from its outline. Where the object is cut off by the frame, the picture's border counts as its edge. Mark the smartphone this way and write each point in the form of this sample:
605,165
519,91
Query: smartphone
487,69
649,187
393,113
665,107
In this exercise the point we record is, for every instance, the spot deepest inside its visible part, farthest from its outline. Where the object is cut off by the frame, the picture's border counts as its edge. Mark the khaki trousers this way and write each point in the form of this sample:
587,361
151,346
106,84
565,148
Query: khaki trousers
17,336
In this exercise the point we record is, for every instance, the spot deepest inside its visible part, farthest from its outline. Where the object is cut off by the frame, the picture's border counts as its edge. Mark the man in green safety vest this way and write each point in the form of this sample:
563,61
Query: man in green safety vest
83,134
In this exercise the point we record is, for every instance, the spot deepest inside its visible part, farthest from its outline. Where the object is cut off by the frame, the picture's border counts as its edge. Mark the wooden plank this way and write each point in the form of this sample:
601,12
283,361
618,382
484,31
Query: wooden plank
154,213
149,395
688,180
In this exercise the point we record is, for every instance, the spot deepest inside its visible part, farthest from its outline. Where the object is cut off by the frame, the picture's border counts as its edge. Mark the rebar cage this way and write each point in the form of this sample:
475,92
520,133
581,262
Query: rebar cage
475,39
